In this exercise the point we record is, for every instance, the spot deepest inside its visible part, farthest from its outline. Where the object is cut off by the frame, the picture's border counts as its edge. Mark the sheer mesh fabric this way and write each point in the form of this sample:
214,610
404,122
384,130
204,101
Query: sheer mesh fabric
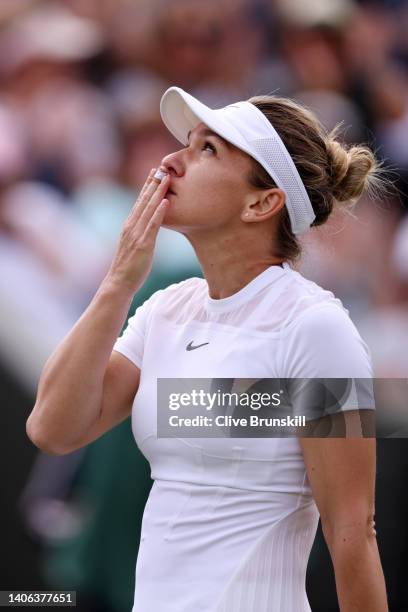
300,209
265,312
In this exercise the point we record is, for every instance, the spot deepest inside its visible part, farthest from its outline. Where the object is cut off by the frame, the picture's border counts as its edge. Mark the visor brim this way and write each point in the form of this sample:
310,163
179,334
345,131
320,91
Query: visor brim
181,113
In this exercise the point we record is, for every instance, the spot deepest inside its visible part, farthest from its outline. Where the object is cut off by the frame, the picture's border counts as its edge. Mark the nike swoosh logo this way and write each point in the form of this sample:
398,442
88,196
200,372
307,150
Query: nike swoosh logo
190,346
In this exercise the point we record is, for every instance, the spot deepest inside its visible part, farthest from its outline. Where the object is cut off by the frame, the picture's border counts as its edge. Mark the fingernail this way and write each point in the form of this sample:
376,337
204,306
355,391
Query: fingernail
160,175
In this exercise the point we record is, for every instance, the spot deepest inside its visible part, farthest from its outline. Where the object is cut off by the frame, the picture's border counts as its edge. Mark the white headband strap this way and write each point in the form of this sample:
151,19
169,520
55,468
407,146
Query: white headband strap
267,148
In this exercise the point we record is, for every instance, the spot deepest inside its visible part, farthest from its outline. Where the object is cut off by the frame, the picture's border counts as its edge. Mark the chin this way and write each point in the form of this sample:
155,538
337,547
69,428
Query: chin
174,214
172,221
175,225
182,217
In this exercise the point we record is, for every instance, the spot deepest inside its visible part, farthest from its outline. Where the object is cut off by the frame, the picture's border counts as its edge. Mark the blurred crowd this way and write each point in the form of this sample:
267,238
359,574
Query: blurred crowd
81,82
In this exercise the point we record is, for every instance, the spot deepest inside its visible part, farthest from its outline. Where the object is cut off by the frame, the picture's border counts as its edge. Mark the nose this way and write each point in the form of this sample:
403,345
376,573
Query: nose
173,164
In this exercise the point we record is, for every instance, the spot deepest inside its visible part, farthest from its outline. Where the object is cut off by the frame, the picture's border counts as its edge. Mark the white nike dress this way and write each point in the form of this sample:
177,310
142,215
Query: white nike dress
230,522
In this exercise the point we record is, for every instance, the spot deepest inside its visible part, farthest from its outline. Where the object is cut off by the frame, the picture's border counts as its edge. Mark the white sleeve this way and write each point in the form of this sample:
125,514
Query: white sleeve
131,342
324,344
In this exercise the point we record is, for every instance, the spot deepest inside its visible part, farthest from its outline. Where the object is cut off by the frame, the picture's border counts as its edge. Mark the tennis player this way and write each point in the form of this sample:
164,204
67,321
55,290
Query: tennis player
230,521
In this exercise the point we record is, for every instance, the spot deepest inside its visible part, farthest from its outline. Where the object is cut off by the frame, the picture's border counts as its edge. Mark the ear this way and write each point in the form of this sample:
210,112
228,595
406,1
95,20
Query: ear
263,205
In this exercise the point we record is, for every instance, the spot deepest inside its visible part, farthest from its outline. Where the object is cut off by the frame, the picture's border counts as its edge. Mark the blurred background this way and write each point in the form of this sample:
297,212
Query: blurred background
80,85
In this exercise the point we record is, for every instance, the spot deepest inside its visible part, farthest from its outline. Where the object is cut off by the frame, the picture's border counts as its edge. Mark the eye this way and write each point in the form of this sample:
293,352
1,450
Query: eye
209,145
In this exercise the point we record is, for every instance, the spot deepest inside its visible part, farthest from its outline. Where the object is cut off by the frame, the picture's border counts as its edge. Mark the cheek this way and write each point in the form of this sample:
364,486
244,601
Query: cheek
204,208
209,183
208,193
213,197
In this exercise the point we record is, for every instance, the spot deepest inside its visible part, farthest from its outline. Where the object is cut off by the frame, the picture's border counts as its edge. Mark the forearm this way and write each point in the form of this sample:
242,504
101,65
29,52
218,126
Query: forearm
70,389
359,577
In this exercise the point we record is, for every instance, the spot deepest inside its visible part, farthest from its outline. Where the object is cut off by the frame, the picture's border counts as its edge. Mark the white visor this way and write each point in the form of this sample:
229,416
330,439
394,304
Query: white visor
245,126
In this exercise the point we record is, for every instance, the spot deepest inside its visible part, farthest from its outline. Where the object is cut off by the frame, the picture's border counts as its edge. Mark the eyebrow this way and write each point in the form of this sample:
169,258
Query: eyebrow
208,132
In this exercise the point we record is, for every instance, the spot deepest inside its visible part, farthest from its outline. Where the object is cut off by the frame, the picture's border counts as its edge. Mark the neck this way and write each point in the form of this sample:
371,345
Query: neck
229,265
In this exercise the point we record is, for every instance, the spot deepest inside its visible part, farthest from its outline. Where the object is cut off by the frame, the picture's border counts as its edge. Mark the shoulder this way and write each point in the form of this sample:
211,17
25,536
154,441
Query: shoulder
319,337
178,291
163,300
174,296
314,310
301,300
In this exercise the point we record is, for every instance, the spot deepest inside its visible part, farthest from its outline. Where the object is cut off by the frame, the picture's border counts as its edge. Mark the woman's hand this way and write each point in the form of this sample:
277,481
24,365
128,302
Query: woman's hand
134,255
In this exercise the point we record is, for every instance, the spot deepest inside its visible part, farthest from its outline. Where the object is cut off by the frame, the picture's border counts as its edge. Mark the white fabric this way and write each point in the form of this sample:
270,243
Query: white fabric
246,127
230,522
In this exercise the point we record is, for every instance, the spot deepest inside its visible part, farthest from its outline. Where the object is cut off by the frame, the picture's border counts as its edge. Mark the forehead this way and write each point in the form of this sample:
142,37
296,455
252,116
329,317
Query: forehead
203,130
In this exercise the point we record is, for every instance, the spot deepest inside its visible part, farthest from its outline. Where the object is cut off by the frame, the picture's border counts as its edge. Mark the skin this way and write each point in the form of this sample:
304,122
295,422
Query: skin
341,472
86,388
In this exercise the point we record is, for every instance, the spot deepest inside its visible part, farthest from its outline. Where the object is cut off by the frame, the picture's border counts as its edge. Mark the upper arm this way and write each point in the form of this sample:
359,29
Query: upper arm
339,448
120,385
341,473
122,376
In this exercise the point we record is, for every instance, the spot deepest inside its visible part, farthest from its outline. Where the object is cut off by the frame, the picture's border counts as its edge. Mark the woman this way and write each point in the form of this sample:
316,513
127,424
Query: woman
230,522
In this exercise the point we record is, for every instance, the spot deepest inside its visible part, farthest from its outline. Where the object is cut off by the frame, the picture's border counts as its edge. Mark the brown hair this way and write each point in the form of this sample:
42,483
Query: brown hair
331,171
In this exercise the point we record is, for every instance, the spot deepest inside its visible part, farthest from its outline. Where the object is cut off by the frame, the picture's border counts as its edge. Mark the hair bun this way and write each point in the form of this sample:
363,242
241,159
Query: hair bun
352,169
